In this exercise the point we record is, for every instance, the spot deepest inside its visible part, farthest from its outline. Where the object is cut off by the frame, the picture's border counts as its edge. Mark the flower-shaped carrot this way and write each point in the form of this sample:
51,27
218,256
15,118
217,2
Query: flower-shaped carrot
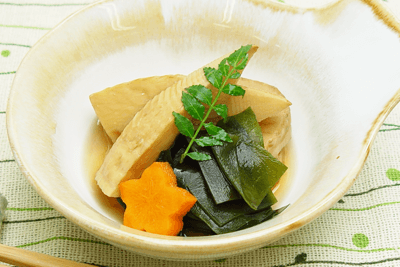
154,203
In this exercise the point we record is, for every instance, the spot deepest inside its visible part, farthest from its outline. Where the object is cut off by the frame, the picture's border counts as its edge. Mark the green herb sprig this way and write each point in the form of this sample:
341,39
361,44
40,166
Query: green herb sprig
198,96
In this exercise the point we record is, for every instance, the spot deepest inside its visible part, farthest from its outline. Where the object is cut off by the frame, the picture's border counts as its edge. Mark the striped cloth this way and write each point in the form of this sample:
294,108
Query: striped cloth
362,229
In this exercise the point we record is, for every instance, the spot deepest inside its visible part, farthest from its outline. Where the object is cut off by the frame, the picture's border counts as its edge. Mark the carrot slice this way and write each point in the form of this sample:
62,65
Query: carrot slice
154,203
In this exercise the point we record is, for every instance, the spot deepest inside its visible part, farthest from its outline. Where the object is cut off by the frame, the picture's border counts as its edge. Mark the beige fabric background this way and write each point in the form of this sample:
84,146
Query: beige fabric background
363,229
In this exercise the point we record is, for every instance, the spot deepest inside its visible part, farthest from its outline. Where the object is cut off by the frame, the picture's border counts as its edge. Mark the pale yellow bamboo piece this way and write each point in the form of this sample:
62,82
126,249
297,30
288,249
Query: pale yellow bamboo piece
151,131
116,106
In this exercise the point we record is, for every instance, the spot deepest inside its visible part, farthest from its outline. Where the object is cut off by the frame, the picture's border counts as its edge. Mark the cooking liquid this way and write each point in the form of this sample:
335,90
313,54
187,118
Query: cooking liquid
98,145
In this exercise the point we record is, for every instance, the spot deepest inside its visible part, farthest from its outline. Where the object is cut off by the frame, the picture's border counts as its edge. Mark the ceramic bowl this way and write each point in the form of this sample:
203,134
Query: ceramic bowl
337,63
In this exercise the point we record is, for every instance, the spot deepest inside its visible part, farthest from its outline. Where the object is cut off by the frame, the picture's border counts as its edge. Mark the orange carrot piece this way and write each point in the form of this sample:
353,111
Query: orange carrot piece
154,203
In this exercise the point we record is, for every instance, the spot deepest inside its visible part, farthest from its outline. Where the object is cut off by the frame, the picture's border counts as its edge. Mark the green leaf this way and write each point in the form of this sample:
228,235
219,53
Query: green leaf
207,141
217,132
214,76
184,125
193,106
221,110
223,67
198,96
201,93
234,90
212,129
199,156
235,75
238,59
242,64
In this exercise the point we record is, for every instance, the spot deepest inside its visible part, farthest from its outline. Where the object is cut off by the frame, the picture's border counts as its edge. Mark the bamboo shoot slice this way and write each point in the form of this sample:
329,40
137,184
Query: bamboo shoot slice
116,106
276,131
151,131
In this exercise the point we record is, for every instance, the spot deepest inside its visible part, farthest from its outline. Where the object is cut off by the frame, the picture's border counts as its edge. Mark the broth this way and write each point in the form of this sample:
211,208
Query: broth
98,144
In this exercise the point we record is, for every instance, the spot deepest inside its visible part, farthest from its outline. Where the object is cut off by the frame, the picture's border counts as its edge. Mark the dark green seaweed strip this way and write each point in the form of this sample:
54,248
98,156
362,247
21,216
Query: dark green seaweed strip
239,223
194,226
252,184
251,169
221,189
193,180
257,163
170,155
244,124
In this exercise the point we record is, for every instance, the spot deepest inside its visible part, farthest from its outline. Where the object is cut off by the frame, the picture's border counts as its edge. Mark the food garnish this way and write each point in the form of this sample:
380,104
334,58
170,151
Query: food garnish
198,96
154,203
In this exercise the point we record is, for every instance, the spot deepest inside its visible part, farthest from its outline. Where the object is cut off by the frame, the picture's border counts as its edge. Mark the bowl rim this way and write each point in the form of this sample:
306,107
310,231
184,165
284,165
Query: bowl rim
210,246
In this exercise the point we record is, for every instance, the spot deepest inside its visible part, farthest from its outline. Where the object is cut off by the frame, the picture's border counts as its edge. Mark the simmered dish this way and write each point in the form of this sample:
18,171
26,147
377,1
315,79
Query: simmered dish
195,154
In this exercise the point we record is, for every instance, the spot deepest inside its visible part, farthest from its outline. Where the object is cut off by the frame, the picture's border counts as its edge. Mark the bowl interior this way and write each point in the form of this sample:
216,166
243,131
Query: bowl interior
337,65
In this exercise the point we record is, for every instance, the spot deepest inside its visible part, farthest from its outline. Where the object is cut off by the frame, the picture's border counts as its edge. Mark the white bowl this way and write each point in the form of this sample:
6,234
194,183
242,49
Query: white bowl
338,64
